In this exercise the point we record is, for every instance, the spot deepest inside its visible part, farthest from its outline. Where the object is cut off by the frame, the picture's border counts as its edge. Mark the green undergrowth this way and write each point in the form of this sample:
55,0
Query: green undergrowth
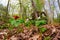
42,29
47,38
15,24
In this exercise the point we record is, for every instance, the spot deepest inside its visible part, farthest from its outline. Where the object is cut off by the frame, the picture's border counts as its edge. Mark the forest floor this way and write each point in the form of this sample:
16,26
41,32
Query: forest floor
32,33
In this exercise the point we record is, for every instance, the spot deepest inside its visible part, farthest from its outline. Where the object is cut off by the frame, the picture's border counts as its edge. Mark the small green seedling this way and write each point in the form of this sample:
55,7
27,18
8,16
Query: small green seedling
40,22
42,29
47,38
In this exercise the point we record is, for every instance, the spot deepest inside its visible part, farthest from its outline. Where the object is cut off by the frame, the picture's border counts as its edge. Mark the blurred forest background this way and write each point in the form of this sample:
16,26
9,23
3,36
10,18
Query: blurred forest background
29,19
31,9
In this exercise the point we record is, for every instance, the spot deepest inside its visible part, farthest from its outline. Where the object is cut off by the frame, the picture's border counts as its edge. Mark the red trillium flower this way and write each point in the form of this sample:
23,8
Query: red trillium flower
15,17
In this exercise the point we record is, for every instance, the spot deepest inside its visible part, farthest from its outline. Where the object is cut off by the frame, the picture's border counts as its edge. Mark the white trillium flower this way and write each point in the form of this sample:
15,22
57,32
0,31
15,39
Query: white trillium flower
38,17
26,20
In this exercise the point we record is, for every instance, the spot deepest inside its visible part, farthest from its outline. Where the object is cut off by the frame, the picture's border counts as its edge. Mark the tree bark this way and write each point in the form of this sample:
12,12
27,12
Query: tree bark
7,8
59,3
21,9
35,13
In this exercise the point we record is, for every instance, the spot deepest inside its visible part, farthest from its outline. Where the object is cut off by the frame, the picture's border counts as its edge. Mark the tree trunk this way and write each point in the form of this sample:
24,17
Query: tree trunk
59,3
49,11
7,8
35,13
21,9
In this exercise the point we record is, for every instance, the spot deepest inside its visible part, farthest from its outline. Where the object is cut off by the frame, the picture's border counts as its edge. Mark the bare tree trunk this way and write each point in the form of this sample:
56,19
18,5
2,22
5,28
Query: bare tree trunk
35,13
52,12
59,3
21,9
49,12
7,8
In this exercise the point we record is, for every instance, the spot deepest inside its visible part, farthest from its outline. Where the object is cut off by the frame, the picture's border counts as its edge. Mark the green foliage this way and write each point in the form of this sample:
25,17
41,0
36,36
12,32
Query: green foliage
20,21
4,26
33,22
39,4
42,29
28,23
3,16
16,22
47,38
11,27
40,22
12,21
58,18
3,10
